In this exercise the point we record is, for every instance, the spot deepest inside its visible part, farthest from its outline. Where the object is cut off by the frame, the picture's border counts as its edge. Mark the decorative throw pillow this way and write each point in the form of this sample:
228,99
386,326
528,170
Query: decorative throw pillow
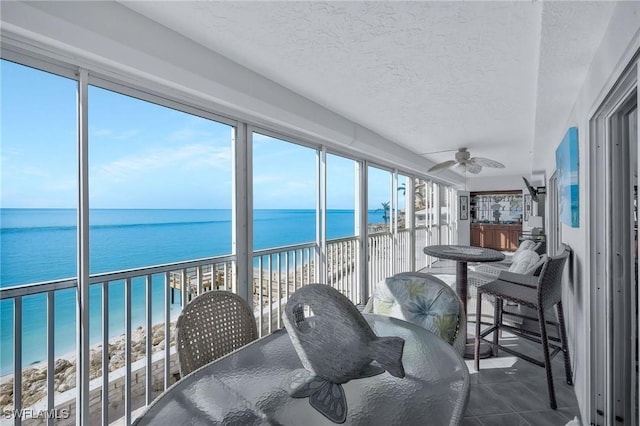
526,245
427,302
524,262
521,254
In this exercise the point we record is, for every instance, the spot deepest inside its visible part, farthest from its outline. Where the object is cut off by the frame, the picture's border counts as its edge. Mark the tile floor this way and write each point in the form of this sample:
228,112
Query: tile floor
510,391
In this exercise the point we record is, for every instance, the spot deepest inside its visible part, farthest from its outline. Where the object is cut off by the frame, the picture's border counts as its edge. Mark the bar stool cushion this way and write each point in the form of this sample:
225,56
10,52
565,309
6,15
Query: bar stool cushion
525,245
523,261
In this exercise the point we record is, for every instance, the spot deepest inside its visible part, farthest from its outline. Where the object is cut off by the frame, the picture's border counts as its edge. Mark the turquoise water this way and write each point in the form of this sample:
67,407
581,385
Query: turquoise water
40,245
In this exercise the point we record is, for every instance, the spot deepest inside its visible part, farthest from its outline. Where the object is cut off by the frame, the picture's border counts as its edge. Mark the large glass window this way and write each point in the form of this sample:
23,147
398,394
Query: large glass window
432,214
341,196
284,193
404,182
38,200
159,192
39,179
420,203
403,240
380,217
160,183
420,221
380,200
445,202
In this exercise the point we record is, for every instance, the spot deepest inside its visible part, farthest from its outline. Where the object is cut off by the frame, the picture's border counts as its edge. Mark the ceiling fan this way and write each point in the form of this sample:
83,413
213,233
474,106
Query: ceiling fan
470,164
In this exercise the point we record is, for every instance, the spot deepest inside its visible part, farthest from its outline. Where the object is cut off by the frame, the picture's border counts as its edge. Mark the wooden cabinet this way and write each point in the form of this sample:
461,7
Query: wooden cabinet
476,236
498,237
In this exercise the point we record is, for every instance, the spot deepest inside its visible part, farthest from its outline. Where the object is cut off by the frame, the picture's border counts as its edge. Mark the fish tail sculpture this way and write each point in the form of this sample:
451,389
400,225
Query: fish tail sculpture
388,352
335,344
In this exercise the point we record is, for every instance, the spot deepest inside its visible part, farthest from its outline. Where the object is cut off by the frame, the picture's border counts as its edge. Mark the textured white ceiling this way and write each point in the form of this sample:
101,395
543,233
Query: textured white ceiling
431,76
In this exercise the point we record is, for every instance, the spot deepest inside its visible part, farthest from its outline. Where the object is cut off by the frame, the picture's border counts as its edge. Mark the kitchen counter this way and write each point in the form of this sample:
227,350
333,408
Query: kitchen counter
497,236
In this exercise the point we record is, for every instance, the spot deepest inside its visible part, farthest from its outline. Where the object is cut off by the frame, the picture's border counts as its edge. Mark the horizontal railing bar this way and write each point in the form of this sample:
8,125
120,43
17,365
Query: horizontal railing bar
380,233
62,284
281,249
36,288
45,286
120,275
343,239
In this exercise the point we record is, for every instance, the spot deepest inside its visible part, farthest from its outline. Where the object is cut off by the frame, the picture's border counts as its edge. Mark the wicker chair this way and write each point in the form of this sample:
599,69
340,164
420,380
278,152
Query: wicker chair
494,268
210,326
475,279
537,293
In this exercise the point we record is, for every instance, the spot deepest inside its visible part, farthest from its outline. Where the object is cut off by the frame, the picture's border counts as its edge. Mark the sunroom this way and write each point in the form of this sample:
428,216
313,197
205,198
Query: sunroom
156,151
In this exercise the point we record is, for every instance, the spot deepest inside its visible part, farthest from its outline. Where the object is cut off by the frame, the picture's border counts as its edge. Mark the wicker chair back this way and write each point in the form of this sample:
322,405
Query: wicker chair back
210,326
550,284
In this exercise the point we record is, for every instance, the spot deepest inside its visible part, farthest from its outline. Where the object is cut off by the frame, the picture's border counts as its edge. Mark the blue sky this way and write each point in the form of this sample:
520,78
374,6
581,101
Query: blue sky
143,155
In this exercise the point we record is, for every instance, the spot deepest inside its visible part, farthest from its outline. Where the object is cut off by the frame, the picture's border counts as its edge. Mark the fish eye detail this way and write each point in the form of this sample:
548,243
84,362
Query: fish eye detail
303,323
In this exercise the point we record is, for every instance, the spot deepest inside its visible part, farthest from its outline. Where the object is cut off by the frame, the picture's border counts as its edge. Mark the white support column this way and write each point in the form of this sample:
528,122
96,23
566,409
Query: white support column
409,219
394,222
321,216
361,218
82,308
242,212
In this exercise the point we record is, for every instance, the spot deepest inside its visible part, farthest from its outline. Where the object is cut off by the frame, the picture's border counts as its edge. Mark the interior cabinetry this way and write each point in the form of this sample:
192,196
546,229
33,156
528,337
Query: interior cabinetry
496,219
498,237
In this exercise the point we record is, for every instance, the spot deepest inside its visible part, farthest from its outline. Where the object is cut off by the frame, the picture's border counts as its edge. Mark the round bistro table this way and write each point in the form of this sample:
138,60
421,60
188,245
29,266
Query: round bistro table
248,387
462,255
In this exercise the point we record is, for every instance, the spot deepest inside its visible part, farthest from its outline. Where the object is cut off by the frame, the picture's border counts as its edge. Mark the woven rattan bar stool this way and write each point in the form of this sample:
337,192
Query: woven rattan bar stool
538,293
212,325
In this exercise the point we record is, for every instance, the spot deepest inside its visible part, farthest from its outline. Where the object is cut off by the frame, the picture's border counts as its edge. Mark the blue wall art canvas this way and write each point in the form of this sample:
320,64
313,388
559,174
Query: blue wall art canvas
567,166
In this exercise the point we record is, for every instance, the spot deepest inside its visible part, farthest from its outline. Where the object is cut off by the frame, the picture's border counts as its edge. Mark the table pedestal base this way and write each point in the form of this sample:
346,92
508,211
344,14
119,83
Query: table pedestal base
485,349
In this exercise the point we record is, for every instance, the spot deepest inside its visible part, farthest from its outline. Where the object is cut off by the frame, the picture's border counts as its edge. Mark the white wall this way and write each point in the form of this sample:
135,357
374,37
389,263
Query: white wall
496,183
620,41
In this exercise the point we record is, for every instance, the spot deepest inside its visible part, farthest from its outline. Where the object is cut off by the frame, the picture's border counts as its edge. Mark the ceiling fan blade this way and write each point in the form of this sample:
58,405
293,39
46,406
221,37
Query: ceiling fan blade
468,167
473,168
442,166
485,162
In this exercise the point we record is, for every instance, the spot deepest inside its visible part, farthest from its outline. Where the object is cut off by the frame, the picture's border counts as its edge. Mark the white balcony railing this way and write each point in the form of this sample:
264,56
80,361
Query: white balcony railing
139,363
279,272
57,376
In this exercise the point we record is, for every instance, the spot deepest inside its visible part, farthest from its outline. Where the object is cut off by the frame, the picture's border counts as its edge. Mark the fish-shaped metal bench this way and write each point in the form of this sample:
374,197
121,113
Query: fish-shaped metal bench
335,344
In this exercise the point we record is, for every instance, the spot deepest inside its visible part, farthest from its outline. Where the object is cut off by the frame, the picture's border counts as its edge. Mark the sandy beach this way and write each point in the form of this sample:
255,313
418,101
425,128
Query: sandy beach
34,378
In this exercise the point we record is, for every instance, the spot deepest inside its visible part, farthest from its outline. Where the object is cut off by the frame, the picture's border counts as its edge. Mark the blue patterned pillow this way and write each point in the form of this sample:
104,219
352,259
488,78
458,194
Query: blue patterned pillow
427,302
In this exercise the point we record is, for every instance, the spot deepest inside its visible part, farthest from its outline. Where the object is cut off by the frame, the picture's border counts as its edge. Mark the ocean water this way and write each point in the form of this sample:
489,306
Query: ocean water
40,245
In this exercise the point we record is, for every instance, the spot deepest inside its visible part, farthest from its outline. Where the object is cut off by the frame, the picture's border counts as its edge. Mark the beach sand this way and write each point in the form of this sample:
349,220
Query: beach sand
34,378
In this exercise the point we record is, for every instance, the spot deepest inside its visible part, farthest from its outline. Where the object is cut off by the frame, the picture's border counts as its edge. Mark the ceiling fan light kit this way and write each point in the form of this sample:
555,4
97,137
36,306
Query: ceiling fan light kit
469,164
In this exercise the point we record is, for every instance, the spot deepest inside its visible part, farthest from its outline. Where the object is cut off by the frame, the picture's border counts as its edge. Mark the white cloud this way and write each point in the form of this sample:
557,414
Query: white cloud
189,134
257,180
34,171
257,137
60,185
190,157
117,135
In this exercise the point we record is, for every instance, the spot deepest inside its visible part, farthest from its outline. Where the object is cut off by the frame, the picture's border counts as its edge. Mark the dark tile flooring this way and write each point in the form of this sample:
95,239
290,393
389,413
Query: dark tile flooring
510,391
